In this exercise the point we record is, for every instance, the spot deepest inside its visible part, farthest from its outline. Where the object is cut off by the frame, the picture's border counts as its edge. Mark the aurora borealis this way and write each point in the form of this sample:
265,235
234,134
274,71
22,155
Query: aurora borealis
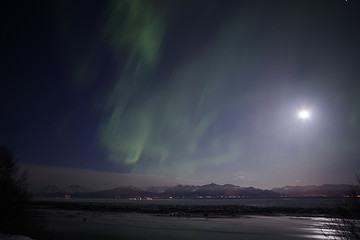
201,90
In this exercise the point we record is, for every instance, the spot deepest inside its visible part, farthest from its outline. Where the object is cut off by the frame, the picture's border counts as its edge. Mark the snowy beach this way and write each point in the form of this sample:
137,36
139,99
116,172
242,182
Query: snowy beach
68,224
164,220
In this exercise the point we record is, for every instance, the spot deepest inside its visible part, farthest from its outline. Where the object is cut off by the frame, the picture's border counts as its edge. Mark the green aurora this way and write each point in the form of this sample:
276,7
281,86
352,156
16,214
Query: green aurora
200,115
203,90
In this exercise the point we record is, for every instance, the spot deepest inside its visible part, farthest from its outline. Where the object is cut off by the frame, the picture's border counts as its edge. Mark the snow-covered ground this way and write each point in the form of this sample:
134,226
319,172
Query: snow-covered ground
13,237
72,224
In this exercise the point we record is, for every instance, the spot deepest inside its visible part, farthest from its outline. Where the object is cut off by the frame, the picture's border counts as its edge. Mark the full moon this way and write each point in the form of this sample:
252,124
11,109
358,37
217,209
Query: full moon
304,114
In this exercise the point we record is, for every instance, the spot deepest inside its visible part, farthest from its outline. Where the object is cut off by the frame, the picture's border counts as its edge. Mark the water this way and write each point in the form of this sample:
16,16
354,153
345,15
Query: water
70,225
79,224
278,202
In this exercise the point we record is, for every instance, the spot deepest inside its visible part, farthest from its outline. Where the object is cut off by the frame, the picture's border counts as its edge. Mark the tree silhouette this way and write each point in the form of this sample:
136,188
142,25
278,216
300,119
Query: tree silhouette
346,223
14,197
349,221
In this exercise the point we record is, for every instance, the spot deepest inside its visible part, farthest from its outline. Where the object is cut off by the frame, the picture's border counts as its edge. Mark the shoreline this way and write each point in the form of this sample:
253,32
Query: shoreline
106,225
207,211
94,220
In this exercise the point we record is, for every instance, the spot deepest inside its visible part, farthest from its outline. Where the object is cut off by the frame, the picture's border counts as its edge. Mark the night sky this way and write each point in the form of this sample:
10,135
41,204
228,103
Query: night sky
141,92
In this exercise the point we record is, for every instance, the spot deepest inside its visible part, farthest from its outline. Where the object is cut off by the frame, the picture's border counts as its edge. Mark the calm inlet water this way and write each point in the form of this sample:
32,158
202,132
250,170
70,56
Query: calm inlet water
282,202
72,224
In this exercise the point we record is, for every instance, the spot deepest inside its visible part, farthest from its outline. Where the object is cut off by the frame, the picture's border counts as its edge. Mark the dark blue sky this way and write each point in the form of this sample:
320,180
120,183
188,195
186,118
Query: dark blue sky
201,91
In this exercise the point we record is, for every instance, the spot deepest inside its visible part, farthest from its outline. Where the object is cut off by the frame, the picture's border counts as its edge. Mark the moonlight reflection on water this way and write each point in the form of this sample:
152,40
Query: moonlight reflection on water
69,224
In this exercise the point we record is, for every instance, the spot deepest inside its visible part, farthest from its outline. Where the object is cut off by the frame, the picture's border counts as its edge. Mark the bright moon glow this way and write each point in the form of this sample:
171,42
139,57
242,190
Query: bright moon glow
304,114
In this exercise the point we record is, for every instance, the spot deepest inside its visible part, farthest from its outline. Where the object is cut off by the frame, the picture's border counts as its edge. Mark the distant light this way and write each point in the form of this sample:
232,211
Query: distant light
304,114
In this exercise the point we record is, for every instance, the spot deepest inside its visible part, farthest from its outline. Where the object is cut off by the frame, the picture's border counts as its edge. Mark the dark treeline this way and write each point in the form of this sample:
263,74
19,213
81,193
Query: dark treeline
15,200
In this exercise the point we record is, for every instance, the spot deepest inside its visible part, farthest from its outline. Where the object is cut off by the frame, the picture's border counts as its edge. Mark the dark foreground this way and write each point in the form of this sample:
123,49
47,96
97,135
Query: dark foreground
71,225
90,221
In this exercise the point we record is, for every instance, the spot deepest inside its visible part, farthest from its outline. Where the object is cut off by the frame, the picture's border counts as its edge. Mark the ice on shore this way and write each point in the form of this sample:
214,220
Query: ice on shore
70,225
13,237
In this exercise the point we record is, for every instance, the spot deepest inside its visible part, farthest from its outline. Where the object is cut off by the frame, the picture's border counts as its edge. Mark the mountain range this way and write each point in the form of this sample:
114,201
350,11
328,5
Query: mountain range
325,190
